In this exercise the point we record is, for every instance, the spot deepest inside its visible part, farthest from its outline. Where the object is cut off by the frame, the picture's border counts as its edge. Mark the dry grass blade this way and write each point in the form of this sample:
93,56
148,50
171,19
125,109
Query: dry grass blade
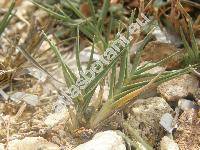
35,63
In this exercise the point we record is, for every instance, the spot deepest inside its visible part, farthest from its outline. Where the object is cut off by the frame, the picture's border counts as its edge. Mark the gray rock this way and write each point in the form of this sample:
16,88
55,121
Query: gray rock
31,99
145,116
107,140
179,87
32,143
168,144
185,104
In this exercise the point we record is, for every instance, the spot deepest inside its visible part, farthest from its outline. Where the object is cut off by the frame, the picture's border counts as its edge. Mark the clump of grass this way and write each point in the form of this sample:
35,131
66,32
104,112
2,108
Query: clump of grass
192,55
123,90
192,50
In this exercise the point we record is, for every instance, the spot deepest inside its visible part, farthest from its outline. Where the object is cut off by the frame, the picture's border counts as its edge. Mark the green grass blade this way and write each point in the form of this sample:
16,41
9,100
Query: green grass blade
148,67
94,29
139,52
128,62
88,28
102,74
89,90
92,10
78,51
51,12
104,12
91,55
125,60
190,52
112,82
7,18
87,99
75,10
193,40
110,26
61,11
122,70
163,78
69,76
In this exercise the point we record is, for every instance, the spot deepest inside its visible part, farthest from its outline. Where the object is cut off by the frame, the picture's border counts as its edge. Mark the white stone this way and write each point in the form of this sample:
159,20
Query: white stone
185,104
54,118
37,73
2,146
166,121
28,98
168,144
32,143
107,140
160,35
